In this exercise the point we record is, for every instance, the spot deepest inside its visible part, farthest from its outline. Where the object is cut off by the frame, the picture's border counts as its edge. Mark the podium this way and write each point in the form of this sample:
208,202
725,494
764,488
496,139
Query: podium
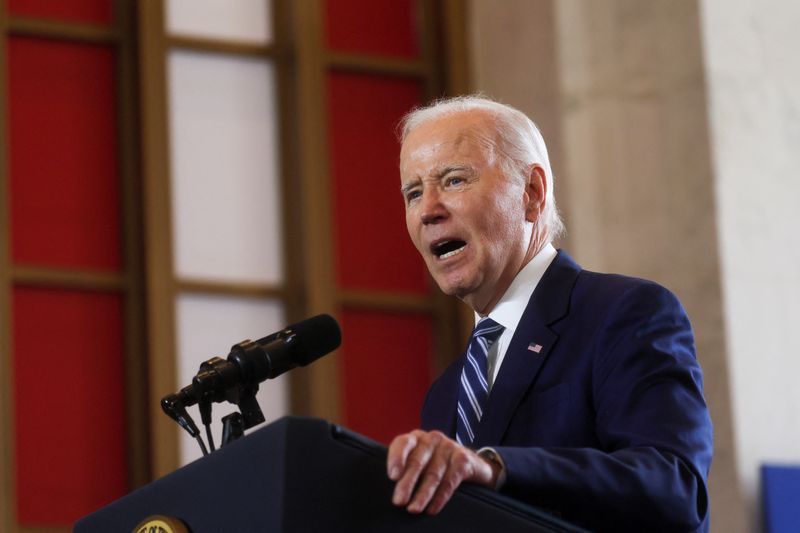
305,475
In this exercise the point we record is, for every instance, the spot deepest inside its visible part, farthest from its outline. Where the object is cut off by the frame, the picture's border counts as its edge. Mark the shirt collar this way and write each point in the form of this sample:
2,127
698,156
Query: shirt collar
509,309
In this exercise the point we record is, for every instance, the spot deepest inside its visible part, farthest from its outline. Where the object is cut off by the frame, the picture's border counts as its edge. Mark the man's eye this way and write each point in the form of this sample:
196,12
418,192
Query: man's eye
412,195
455,181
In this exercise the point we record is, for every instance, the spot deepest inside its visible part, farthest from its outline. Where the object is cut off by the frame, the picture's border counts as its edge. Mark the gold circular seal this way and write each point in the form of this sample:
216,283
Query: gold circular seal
161,524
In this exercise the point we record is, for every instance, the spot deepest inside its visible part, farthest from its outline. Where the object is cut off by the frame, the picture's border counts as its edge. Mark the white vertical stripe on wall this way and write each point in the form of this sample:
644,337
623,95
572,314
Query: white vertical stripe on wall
208,326
240,20
753,78
224,157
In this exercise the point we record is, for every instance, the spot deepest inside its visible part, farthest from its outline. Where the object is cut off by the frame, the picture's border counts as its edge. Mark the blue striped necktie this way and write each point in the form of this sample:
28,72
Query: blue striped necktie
474,391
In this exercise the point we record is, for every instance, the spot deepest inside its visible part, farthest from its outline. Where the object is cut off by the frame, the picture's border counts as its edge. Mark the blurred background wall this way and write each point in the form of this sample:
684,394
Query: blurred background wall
178,175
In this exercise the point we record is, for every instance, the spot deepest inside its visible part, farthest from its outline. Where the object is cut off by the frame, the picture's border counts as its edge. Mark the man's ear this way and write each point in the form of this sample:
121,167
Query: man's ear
535,193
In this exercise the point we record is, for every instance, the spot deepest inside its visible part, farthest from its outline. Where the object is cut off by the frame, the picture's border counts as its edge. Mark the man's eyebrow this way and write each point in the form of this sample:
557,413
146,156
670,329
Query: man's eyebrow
404,188
455,168
444,171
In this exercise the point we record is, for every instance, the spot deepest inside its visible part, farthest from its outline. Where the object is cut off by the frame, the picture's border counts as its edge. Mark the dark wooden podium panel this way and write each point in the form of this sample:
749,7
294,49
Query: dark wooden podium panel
305,475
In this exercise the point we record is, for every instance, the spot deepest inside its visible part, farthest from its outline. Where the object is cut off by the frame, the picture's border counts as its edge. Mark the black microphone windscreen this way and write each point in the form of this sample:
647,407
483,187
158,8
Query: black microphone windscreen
316,337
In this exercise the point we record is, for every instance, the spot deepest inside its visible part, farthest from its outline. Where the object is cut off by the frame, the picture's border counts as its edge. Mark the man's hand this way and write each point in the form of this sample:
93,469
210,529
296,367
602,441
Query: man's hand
436,466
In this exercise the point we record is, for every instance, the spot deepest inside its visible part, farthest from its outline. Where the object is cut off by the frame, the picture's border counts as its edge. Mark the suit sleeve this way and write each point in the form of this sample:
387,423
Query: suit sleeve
651,420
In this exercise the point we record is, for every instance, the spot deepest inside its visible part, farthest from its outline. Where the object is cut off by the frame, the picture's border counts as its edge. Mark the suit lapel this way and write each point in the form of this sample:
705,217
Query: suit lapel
531,346
440,411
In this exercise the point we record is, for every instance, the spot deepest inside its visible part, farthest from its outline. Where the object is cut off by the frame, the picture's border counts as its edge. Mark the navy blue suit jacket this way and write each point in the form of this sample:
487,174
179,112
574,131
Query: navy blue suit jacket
607,424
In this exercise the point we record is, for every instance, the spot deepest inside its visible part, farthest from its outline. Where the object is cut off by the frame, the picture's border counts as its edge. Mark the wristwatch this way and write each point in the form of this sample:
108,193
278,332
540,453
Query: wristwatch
491,455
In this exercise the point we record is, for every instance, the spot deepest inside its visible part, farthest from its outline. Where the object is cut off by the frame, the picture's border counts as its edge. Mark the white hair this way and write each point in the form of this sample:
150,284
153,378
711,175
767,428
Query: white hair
521,144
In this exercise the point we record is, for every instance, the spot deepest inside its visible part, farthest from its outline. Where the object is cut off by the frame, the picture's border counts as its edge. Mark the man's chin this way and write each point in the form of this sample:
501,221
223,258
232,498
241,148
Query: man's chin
458,288
466,290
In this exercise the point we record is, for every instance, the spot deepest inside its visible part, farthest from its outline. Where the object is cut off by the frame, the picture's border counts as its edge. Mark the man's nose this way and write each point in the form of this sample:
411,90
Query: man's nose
432,209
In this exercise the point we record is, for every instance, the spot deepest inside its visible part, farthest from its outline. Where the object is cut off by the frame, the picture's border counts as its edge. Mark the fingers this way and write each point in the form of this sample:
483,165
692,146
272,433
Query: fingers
399,449
418,459
460,467
432,475
435,465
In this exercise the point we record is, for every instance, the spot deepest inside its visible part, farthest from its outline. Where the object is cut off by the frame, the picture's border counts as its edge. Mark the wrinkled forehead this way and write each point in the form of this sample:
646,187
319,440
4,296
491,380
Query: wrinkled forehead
469,135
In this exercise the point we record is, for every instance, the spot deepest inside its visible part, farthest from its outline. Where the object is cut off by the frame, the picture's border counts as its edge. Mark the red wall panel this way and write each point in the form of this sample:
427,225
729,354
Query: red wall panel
91,11
370,27
70,430
386,370
63,152
372,243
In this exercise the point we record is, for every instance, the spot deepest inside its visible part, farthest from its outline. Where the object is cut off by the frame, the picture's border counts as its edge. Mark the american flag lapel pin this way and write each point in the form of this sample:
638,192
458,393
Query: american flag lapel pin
535,348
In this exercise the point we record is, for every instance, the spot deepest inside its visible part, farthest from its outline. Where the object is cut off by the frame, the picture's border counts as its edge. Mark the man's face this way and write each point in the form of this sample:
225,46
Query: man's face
464,215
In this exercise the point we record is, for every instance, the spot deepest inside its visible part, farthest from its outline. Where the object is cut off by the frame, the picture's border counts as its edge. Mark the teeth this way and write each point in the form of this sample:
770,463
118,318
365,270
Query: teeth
454,252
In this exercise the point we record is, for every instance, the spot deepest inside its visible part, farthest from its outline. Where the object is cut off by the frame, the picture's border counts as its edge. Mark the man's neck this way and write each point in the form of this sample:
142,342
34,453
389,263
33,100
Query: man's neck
501,287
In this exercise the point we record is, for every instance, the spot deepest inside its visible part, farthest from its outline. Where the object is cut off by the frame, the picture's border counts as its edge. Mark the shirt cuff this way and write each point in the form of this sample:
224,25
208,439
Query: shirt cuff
491,455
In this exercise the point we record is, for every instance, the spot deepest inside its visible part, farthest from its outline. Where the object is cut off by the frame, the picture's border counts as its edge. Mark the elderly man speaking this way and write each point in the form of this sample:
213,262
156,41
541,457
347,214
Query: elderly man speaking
578,392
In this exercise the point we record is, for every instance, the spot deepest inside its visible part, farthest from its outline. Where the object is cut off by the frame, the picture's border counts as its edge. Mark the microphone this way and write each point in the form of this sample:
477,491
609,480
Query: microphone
267,358
249,363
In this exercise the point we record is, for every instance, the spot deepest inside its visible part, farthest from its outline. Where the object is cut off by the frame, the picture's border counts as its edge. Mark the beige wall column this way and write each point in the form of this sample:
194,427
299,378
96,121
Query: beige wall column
618,90
753,87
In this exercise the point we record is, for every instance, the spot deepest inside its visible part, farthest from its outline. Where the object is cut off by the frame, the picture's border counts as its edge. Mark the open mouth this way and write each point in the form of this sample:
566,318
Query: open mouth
446,249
